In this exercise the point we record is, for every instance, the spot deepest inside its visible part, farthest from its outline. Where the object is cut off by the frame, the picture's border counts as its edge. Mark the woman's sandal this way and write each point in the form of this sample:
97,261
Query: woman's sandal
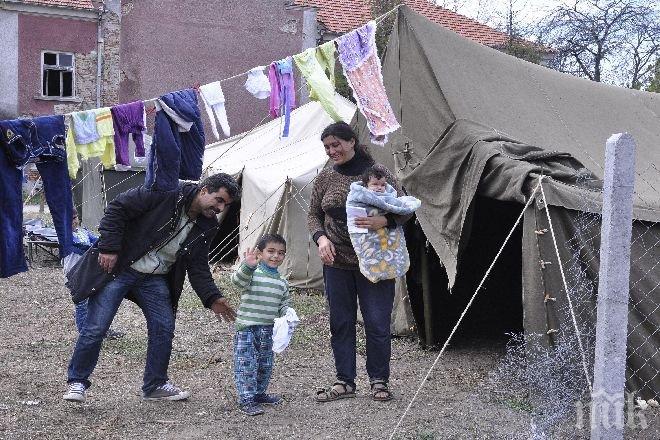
338,390
380,392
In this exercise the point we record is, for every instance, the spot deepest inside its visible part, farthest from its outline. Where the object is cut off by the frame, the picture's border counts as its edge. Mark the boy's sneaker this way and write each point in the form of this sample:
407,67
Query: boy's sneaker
75,393
268,399
251,408
166,391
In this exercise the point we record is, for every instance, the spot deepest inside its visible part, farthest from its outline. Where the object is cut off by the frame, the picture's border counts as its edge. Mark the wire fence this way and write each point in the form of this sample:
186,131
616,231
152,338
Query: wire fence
555,379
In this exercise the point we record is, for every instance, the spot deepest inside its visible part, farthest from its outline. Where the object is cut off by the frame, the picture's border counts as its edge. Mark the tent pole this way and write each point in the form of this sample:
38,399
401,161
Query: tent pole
426,298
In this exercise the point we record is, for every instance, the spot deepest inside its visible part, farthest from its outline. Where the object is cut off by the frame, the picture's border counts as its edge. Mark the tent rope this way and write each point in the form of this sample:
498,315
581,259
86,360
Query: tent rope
568,291
236,230
460,319
279,208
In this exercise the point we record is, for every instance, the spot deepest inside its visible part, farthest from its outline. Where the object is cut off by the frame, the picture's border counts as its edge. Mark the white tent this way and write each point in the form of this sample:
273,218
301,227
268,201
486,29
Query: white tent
276,177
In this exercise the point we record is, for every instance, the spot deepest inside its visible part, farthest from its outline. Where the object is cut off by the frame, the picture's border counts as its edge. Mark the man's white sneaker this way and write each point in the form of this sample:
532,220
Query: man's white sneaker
167,391
75,393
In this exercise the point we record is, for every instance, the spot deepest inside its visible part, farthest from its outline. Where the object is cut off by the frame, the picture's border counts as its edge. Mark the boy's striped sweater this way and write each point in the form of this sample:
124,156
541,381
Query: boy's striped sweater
265,295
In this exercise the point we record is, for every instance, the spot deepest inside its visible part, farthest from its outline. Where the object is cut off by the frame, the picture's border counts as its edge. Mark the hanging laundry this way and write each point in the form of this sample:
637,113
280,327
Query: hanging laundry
128,119
214,102
12,259
84,124
257,83
359,58
283,91
104,147
43,138
320,87
177,147
325,54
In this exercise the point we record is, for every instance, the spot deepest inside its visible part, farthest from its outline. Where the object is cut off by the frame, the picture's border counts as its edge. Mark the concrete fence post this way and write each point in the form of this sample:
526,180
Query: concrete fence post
607,399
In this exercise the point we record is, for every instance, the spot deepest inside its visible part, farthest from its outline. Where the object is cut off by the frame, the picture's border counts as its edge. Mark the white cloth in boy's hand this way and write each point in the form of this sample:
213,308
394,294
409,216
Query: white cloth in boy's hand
283,330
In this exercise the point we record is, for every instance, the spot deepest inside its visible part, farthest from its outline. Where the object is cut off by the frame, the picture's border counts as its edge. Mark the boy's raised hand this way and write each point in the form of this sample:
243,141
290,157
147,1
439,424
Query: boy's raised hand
251,257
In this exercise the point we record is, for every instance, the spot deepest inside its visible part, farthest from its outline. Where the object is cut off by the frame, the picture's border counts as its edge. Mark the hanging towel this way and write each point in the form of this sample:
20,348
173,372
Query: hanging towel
257,83
325,54
320,87
359,59
283,91
104,147
128,119
177,147
84,125
214,102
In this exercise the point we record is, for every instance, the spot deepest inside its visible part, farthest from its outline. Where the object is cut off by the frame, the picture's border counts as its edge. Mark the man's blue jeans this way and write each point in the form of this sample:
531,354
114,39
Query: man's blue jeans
153,297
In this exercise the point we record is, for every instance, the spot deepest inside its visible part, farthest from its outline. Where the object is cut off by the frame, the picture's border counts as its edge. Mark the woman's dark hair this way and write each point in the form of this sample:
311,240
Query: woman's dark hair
378,171
345,132
270,238
221,180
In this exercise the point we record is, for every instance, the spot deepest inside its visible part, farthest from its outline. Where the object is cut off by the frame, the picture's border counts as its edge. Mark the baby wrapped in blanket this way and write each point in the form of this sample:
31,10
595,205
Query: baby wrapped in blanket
382,254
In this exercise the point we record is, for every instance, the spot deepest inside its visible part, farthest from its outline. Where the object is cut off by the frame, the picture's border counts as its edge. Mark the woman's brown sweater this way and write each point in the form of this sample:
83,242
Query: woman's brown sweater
327,208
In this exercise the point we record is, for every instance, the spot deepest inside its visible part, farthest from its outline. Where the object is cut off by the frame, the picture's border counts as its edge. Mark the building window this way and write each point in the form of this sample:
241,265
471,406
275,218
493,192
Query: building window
57,74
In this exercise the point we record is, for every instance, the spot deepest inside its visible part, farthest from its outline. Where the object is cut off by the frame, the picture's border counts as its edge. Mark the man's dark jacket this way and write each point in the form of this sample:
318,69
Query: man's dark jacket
138,221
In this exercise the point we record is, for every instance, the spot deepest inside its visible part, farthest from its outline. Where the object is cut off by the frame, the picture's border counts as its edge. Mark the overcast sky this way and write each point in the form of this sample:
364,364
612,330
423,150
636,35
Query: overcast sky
494,12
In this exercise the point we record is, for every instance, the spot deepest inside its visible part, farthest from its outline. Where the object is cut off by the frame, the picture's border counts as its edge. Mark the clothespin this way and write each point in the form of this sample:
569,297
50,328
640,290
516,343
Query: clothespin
540,231
548,298
552,330
196,87
151,110
544,263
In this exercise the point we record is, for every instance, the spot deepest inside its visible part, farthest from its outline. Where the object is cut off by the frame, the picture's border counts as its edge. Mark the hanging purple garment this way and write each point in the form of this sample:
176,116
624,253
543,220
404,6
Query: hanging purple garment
274,101
128,119
354,47
283,91
359,58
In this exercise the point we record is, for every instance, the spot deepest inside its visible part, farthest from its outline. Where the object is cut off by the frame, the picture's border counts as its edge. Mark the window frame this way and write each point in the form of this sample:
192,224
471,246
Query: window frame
60,68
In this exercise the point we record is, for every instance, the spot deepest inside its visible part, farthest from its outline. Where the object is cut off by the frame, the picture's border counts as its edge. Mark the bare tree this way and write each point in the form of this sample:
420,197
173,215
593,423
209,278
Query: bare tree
601,39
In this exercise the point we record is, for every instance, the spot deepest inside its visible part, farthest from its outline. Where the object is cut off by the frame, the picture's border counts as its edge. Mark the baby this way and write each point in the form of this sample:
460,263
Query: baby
382,254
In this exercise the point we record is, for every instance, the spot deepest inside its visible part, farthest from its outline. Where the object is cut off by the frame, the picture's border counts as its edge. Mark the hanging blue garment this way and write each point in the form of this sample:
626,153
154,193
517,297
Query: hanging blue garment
177,148
42,141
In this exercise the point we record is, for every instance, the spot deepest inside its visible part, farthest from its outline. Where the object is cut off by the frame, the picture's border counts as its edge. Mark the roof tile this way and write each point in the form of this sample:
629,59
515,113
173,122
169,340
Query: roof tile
343,15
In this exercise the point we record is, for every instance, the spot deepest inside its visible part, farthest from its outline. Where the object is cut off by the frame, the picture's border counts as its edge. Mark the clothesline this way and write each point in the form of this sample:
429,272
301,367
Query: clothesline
56,148
239,75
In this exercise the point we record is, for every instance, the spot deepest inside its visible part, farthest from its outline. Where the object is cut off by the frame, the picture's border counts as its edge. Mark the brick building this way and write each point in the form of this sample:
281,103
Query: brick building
149,47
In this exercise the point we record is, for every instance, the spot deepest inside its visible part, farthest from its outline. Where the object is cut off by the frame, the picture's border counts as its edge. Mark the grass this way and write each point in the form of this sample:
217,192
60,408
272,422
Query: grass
128,345
518,404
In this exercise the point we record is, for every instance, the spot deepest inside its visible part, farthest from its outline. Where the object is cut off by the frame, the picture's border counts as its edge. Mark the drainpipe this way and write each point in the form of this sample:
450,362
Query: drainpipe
99,53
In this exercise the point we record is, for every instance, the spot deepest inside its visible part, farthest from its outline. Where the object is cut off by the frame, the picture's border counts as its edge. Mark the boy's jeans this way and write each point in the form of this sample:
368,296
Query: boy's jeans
153,297
253,361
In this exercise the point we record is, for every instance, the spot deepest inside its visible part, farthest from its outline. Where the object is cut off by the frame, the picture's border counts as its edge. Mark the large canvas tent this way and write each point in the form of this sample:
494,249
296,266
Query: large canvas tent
276,177
478,129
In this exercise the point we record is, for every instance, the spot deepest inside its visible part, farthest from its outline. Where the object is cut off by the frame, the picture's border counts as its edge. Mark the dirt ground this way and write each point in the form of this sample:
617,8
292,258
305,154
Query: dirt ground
38,335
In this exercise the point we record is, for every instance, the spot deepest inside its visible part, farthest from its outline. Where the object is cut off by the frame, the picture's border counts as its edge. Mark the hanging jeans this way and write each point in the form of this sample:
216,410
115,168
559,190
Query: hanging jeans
40,140
12,258
177,149
343,287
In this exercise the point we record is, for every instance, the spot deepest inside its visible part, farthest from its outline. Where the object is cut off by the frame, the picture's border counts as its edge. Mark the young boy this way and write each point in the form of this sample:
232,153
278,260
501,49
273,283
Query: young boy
265,297
382,254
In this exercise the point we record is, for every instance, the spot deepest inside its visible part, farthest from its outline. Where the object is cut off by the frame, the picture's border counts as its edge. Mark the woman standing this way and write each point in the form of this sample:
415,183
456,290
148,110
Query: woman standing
344,283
